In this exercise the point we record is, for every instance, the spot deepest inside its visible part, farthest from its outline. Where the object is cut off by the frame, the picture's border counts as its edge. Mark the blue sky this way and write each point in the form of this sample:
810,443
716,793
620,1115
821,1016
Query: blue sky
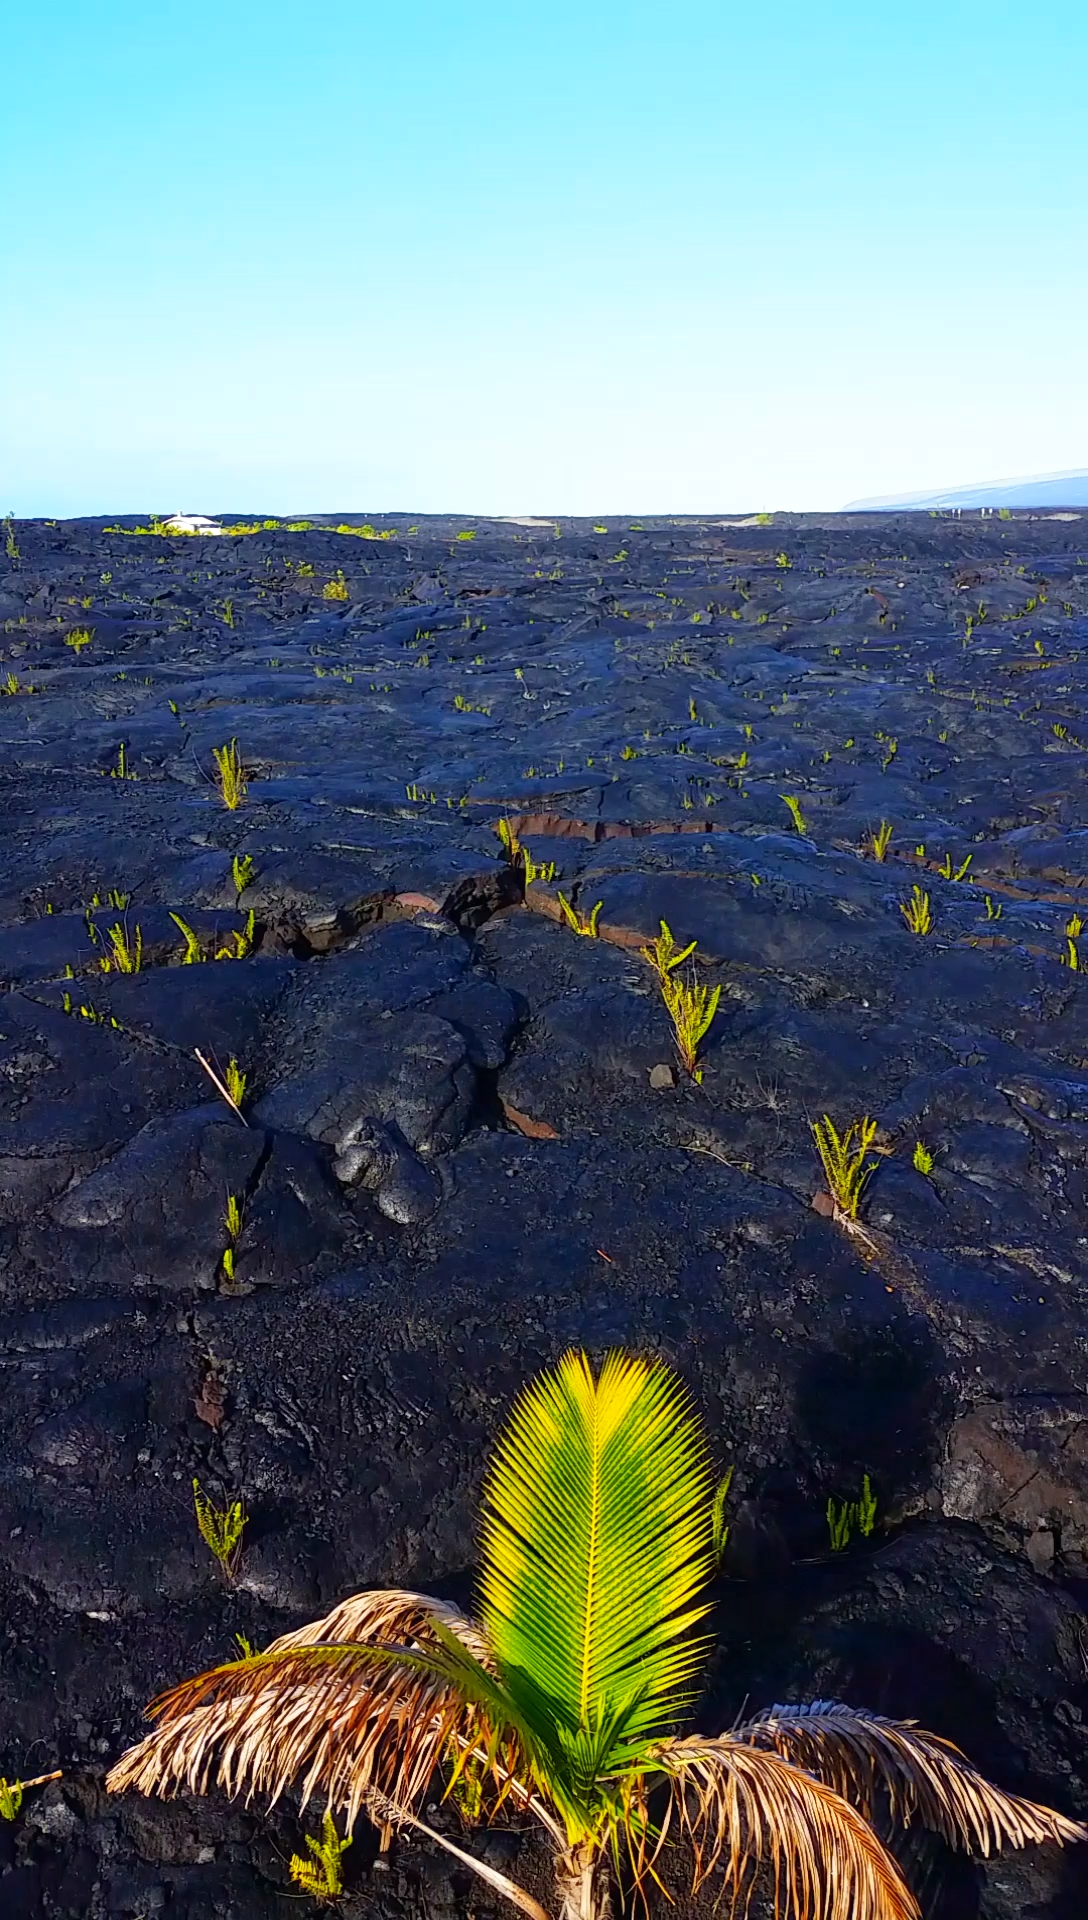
484,257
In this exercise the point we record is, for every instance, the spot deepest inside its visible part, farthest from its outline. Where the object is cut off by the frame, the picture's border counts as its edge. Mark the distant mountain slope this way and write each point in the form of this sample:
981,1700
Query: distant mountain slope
1040,490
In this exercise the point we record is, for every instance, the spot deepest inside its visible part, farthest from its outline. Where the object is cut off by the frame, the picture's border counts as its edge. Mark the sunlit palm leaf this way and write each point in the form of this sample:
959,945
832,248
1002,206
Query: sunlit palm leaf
372,1712
861,1754
742,1809
597,1547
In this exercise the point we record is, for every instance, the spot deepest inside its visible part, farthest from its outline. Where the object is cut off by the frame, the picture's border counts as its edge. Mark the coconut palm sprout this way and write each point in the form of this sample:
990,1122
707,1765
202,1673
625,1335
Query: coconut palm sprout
560,1702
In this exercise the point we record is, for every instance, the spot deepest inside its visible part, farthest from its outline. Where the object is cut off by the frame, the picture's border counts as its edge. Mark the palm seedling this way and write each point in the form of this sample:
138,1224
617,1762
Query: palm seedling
559,1703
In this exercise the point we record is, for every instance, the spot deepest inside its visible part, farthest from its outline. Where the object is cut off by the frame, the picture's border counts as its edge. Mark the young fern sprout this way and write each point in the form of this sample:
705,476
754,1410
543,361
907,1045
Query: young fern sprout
231,772
845,1165
221,1529
12,1791
916,911
193,951
663,954
878,841
124,955
507,833
322,1875
718,1525
232,1086
577,922
241,868
793,803
921,1158
691,1008
560,1699
843,1516
948,872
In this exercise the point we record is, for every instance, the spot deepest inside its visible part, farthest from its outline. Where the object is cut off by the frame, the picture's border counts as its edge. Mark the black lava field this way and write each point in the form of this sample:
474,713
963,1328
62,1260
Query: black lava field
466,1140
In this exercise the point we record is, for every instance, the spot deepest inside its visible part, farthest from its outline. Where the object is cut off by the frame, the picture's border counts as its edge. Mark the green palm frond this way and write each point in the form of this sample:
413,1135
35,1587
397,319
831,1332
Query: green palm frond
597,1546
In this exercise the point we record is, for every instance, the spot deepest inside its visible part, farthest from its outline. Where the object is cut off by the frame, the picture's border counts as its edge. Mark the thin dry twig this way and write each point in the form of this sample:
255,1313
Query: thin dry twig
221,1086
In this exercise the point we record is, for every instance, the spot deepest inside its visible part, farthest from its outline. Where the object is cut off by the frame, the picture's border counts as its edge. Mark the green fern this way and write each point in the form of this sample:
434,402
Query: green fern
221,1528
322,1875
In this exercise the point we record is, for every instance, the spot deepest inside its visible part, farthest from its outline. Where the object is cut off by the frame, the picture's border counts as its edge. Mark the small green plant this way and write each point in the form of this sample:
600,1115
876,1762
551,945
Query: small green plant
11,544
921,1158
122,771
916,912
232,1088
79,638
992,912
1074,927
846,1167
467,533
1004,513
322,1875
13,685
537,869
783,561
878,841
193,951
891,748
235,1082
415,792
12,1791
793,803
232,1220
843,1516
241,868
629,753
691,1008
305,569
719,1528
221,1528
232,779
948,872
512,847
336,588
577,922
123,955
238,944
764,519
663,954
227,615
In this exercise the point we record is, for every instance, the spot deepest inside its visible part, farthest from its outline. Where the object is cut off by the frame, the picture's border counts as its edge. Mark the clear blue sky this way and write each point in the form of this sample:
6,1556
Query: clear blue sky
484,256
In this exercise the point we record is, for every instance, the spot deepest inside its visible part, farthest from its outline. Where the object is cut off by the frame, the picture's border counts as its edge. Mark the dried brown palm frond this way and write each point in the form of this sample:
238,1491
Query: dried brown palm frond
373,1713
862,1755
741,1809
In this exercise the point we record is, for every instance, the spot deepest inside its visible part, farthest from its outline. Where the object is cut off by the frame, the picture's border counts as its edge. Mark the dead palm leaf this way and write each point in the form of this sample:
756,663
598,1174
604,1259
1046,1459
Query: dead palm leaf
740,1814
862,1754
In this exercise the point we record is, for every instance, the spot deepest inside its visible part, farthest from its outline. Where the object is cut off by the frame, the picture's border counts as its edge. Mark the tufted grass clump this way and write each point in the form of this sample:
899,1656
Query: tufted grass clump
917,911
221,1529
231,772
846,1167
79,638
